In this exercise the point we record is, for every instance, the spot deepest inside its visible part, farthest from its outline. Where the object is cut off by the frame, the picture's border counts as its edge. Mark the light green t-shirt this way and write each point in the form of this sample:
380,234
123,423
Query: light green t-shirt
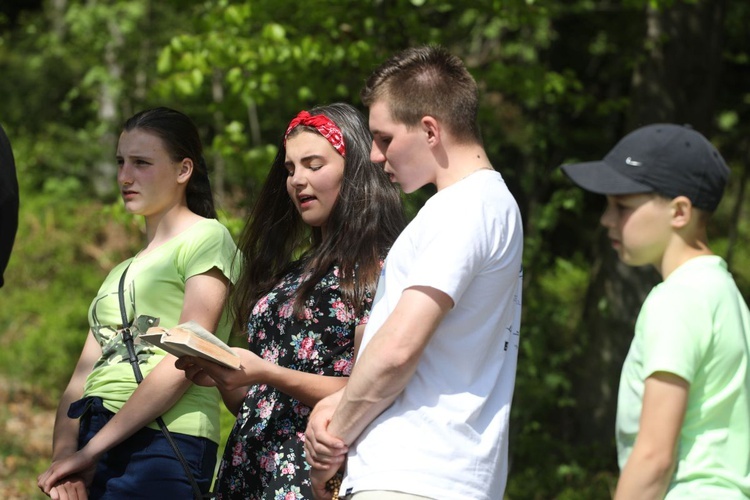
696,325
155,286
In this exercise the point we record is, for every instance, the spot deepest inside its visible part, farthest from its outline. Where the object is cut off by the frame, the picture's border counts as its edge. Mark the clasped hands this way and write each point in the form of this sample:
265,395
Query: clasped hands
68,478
325,452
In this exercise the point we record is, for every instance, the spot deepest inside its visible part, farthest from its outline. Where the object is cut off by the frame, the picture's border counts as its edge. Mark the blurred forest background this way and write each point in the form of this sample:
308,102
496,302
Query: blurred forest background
561,80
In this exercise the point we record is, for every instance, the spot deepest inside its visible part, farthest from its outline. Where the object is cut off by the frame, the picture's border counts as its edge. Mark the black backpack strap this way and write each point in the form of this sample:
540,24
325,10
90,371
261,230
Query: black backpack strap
127,338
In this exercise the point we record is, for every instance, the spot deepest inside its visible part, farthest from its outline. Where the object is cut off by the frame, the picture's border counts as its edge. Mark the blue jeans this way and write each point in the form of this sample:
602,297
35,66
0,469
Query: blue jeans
144,465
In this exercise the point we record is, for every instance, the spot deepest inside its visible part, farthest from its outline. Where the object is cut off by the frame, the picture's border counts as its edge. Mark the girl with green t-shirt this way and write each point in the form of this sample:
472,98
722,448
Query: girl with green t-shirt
105,441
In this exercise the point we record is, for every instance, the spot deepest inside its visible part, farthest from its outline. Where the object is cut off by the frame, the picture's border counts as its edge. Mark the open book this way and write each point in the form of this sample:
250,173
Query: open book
191,339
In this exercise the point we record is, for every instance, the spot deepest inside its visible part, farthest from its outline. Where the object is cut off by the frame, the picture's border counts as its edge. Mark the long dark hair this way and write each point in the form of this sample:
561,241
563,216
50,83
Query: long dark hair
181,140
364,222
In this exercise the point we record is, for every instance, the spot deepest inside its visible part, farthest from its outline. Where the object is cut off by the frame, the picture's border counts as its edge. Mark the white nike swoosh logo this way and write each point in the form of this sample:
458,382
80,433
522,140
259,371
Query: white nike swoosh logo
632,162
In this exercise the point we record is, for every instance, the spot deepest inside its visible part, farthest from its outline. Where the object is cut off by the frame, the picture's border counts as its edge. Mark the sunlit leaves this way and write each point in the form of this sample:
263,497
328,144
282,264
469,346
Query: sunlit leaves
728,120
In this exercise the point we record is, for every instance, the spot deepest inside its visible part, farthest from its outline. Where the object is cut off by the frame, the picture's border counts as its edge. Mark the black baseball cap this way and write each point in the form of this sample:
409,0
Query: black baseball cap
671,160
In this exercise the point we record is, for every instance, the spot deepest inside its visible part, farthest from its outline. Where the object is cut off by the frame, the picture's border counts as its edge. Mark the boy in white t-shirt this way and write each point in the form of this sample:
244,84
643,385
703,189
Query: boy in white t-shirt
425,412
683,410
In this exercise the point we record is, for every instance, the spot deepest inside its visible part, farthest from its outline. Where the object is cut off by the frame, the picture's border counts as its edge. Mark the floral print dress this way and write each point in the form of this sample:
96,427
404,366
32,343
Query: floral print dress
264,457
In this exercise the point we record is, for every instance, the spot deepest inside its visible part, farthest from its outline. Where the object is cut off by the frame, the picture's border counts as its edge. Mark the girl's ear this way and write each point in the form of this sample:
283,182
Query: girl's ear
682,211
186,171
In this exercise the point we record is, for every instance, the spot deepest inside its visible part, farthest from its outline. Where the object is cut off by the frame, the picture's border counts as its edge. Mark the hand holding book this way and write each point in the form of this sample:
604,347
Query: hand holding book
191,339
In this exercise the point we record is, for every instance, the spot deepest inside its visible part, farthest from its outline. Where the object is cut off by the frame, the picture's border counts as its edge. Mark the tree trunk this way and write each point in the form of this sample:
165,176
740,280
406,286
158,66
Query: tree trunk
109,96
57,17
679,77
734,219
219,166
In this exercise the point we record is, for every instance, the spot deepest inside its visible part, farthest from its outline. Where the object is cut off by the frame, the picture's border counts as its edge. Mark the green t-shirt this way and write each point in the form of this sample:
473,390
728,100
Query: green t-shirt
696,325
155,286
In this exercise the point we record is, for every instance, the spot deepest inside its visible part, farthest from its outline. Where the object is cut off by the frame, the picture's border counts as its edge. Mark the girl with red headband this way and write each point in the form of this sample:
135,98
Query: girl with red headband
312,250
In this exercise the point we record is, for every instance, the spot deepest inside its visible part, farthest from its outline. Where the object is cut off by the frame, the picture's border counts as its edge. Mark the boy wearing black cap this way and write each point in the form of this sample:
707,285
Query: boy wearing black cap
683,412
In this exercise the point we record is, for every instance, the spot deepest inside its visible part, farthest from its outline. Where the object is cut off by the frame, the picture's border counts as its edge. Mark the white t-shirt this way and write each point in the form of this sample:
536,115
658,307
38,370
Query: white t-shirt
446,435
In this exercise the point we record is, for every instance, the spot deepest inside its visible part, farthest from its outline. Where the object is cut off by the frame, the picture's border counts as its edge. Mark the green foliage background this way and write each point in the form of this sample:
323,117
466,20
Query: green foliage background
558,81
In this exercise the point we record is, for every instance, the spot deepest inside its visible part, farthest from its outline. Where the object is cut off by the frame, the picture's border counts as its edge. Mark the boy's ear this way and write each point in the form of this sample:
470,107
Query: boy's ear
431,128
682,211
186,171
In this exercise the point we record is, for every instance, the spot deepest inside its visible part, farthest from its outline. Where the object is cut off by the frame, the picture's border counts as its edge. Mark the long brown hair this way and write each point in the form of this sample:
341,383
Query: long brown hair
364,222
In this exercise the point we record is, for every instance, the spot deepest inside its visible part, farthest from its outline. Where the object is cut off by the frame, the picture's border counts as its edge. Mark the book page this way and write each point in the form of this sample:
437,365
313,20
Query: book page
183,340
204,334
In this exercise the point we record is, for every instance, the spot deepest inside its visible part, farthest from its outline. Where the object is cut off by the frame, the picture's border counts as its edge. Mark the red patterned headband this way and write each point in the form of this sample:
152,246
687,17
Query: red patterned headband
322,124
